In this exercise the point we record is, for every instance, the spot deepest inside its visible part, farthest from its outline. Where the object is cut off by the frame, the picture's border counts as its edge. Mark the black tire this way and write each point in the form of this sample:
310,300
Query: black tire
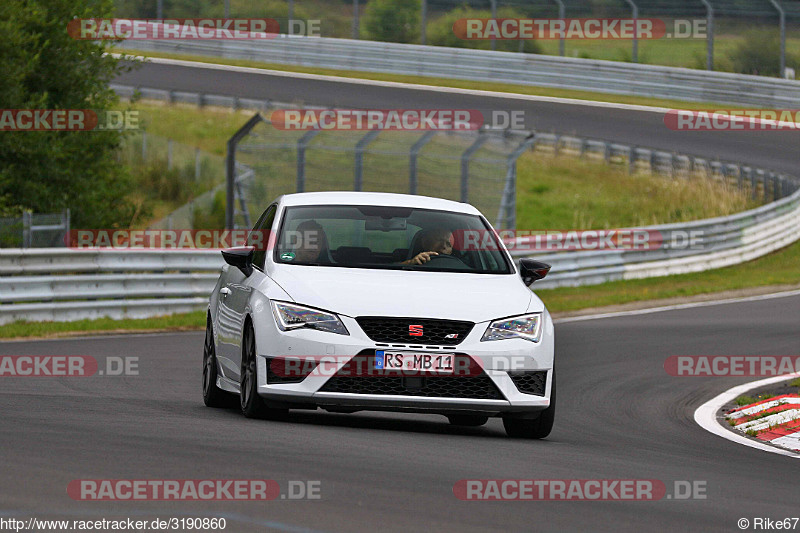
537,428
468,420
252,405
213,396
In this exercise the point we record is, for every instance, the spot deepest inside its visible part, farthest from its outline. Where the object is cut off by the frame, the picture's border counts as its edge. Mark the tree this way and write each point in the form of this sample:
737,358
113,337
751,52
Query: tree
44,68
394,21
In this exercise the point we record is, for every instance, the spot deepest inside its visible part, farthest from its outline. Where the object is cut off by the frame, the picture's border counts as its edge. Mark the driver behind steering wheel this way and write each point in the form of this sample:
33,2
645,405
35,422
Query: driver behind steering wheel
435,242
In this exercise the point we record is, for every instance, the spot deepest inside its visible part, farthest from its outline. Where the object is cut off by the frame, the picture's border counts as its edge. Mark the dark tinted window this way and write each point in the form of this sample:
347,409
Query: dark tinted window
383,237
261,239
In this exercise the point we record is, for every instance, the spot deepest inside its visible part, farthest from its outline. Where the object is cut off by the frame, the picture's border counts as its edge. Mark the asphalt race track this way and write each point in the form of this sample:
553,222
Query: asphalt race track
620,416
777,150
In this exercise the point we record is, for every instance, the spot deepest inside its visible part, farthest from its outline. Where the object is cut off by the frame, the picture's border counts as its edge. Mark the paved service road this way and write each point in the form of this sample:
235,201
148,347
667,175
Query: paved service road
777,150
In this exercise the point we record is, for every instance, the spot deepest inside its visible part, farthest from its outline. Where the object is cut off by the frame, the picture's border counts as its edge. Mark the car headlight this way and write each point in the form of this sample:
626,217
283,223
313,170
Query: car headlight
292,316
528,327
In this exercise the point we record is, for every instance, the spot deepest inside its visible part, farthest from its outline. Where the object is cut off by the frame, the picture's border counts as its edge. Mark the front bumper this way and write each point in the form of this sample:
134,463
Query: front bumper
497,358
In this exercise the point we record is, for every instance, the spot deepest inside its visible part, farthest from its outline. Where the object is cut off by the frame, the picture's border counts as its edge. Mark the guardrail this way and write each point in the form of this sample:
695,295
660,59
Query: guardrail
497,67
62,284
76,284
198,99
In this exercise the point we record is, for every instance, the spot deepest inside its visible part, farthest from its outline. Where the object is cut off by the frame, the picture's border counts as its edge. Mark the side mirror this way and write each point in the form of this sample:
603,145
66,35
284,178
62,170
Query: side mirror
241,258
531,270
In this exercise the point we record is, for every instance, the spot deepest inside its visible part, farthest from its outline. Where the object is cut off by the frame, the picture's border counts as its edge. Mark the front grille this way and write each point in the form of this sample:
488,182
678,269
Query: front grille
351,380
530,382
382,329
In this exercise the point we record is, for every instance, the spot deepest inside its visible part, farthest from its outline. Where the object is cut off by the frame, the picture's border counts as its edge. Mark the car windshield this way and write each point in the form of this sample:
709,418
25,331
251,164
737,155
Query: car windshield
399,238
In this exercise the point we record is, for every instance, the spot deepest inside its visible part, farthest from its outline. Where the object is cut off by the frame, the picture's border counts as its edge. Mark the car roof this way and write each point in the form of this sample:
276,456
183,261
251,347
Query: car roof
375,198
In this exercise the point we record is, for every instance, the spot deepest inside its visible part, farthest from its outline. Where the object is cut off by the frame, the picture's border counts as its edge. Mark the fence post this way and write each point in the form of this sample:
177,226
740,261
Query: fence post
782,23
482,138
423,22
66,226
355,19
230,167
561,15
26,229
144,145
635,9
493,4
412,160
197,164
169,153
710,35
359,158
302,143
507,213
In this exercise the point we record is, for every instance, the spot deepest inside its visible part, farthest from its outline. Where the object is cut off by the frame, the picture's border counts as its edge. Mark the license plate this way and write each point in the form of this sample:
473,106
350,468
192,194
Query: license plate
420,362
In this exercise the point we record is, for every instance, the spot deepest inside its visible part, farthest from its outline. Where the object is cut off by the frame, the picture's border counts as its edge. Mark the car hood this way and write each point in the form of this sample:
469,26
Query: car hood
364,292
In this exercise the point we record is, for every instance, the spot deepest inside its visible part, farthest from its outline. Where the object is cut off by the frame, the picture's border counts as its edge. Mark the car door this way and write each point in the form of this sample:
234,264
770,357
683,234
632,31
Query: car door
241,287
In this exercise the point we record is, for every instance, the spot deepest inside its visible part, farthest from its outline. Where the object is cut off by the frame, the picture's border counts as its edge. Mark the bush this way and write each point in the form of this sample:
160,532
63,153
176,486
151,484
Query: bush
759,53
174,185
214,218
394,21
440,31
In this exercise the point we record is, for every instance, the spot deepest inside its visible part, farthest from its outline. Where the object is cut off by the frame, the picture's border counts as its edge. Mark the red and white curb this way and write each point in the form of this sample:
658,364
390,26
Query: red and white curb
774,420
706,417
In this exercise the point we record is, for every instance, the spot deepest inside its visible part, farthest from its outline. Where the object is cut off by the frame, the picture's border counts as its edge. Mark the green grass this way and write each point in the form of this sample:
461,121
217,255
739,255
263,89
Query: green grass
745,400
570,193
777,268
553,193
547,188
184,321
688,53
446,82
206,128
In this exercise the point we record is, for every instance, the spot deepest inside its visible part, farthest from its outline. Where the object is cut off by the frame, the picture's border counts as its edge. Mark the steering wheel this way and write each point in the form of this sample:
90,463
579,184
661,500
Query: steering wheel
445,261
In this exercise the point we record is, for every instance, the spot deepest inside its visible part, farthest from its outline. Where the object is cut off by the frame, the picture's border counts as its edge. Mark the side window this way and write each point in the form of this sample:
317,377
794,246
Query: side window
261,236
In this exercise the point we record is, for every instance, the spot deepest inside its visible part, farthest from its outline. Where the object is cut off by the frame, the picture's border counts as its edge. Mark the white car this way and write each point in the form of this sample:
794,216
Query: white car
351,301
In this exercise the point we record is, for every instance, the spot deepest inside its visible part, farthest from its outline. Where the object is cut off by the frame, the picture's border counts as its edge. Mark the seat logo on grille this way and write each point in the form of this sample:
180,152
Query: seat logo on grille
415,330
